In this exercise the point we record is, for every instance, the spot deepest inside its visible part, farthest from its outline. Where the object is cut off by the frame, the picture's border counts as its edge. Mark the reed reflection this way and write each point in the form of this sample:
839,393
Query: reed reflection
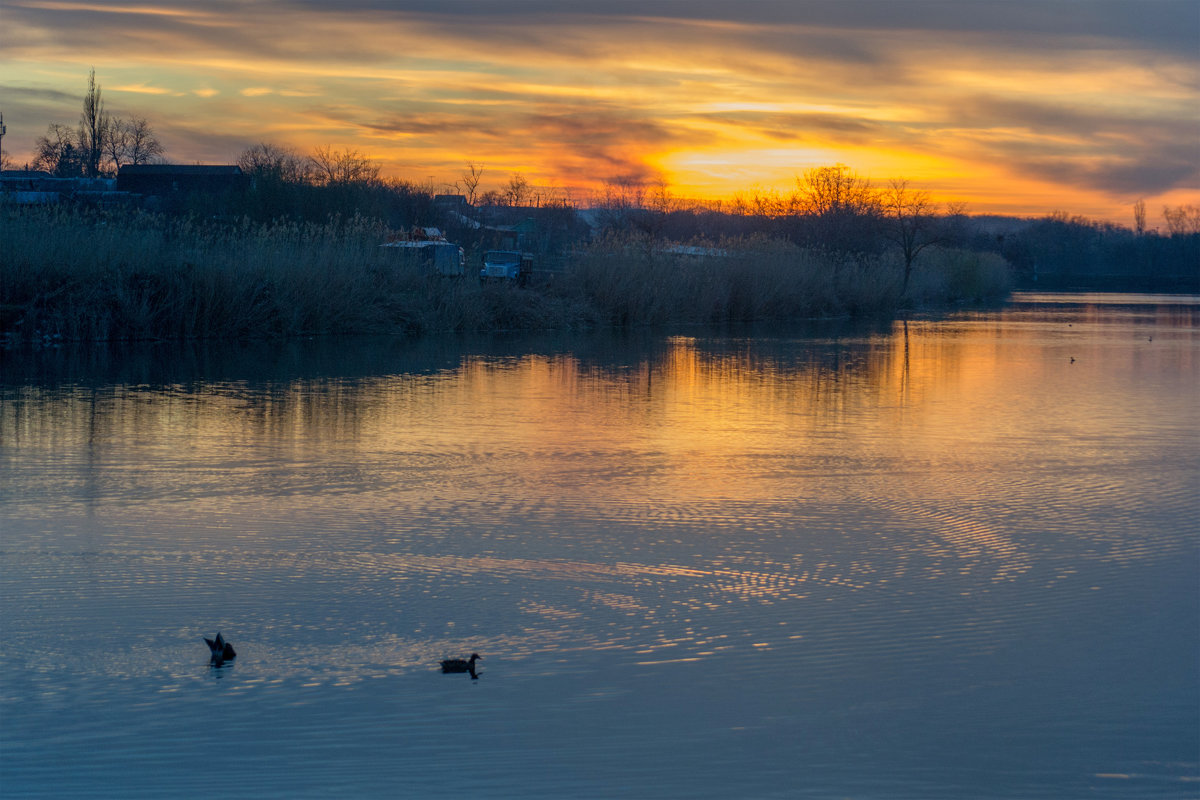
671,430
94,395
798,527
689,411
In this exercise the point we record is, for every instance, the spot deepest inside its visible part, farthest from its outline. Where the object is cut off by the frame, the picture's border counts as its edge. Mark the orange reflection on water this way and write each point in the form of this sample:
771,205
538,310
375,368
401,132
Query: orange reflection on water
926,422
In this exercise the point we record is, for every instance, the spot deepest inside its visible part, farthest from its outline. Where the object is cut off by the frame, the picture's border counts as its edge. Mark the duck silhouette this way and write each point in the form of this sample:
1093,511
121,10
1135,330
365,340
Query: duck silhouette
461,664
222,650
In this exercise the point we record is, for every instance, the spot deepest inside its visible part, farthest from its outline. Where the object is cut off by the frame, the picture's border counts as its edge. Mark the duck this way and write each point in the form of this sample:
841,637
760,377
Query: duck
461,664
222,650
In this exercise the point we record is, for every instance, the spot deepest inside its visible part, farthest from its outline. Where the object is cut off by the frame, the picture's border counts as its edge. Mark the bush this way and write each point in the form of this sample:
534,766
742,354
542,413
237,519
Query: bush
948,275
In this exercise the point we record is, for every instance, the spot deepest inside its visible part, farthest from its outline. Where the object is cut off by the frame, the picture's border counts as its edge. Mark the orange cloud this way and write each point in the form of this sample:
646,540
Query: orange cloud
1023,111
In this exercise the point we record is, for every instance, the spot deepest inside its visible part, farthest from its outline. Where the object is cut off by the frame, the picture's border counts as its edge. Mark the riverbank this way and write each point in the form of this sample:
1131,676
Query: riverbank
71,275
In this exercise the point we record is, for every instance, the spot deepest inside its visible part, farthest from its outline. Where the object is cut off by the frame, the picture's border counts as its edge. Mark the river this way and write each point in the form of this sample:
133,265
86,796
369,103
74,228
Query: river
950,556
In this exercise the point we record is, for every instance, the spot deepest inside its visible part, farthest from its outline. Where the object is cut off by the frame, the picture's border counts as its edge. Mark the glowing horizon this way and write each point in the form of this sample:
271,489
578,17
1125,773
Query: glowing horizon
1024,110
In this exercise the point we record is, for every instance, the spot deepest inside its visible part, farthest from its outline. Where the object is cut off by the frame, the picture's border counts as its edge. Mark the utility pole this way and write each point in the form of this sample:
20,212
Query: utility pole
3,130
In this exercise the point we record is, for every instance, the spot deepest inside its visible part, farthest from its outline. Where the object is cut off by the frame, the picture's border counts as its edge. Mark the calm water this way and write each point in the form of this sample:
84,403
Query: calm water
933,559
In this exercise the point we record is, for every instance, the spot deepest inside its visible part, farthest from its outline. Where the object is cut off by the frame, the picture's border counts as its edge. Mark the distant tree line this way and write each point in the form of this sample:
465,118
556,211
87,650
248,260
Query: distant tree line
346,184
835,211
326,184
1067,251
831,209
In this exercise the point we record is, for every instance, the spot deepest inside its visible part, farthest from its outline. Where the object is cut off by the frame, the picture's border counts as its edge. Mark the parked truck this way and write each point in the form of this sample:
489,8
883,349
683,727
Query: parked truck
507,265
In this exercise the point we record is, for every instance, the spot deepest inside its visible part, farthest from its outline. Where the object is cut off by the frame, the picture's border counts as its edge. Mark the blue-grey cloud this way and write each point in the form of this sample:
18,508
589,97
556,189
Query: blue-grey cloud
1168,25
597,89
1095,148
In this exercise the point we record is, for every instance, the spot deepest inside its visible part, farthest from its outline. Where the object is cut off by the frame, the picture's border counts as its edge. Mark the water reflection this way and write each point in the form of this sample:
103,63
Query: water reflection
798,546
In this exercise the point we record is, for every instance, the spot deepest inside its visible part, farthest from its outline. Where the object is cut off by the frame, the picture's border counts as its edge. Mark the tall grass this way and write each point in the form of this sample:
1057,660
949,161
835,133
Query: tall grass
947,276
77,275
629,280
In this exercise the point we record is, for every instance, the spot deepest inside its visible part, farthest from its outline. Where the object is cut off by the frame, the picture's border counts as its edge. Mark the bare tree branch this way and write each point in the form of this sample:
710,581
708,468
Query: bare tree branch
468,183
342,166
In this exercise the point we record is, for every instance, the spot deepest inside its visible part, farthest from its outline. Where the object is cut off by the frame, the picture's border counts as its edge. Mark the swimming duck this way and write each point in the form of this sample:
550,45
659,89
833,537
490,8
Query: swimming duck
222,650
461,664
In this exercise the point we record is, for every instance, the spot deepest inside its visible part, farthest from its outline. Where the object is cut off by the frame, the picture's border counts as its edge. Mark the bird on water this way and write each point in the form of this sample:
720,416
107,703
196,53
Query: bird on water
461,664
221,650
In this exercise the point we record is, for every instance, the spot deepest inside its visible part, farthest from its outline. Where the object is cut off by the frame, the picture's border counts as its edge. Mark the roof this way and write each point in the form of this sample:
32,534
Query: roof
181,169
419,245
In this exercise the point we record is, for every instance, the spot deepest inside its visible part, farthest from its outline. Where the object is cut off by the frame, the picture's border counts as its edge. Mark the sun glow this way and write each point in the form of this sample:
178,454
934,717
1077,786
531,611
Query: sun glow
718,106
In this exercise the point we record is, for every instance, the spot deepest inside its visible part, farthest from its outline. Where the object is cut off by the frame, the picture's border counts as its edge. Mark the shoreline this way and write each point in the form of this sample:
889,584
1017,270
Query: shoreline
68,276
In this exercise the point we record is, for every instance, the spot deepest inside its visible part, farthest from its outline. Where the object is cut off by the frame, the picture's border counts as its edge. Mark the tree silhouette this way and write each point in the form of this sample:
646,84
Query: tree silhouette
131,141
1139,217
517,191
910,223
468,183
58,152
94,126
1182,220
272,162
843,208
332,167
101,144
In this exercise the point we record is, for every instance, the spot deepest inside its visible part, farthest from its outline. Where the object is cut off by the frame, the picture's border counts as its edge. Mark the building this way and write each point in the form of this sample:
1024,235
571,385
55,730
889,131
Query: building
165,180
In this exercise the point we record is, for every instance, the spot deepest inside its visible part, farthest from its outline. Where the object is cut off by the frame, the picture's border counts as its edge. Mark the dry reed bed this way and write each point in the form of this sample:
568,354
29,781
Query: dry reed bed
72,275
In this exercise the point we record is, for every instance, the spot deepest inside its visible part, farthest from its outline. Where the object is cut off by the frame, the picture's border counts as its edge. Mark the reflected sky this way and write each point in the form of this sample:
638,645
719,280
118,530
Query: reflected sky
939,548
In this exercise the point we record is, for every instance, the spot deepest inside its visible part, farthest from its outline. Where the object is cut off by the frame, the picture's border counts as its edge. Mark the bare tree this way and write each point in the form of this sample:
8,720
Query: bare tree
517,191
910,222
556,197
94,126
131,141
622,201
623,194
1139,217
144,146
342,166
659,197
836,190
116,143
1182,220
843,207
5,161
275,162
492,197
100,145
468,183
58,152
768,204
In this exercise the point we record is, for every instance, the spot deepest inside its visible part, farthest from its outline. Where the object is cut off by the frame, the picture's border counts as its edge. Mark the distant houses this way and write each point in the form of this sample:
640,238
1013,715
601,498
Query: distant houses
27,187
164,180
157,183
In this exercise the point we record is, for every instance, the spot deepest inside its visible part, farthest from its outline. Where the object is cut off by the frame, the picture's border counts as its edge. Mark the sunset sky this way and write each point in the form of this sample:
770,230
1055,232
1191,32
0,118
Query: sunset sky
1013,107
